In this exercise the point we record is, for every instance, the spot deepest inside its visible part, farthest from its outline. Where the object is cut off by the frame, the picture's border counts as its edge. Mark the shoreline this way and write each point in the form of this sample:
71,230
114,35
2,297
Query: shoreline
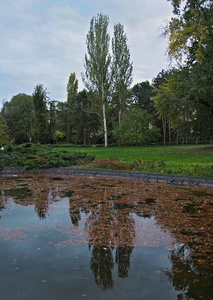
158,178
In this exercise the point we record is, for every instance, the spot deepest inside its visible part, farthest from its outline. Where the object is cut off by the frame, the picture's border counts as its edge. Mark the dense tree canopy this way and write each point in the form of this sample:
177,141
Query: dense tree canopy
18,114
4,131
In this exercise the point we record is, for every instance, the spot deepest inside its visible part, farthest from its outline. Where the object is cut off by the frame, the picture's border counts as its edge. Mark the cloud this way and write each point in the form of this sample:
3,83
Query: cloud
43,41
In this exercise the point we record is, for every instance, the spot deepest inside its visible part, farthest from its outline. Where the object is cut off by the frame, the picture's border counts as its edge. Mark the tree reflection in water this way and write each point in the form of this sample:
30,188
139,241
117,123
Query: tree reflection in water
102,265
109,206
108,227
194,281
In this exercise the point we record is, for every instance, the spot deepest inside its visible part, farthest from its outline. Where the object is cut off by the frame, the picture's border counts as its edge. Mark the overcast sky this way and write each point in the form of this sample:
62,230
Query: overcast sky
43,41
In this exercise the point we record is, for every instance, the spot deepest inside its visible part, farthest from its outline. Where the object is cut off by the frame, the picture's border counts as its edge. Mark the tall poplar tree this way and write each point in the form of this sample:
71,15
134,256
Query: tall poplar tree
40,110
72,89
97,63
121,67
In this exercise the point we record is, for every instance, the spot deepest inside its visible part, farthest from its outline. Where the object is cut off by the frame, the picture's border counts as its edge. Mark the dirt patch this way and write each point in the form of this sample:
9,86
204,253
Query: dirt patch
208,149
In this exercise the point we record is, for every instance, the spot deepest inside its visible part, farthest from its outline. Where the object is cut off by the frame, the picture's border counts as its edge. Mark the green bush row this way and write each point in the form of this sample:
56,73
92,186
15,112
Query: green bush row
33,156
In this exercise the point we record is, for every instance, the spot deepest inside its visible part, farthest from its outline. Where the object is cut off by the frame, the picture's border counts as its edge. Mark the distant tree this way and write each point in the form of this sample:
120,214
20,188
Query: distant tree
61,117
72,89
52,121
40,110
60,136
136,127
97,63
141,96
86,123
159,83
121,68
4,131
176,103
191,43
21,137
19,115
161,78
190,31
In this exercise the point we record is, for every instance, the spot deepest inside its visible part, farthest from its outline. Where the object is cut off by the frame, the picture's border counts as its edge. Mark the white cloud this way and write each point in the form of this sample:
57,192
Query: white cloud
43,41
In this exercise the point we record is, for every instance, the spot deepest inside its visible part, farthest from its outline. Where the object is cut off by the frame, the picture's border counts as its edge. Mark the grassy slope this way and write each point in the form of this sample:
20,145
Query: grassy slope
173,154
179,159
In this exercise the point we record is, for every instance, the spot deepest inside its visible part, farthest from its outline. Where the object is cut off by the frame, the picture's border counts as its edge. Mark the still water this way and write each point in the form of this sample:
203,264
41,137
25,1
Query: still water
102,238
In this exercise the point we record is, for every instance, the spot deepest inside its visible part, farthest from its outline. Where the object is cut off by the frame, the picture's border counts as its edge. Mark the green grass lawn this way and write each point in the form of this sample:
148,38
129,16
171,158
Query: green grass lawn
188,160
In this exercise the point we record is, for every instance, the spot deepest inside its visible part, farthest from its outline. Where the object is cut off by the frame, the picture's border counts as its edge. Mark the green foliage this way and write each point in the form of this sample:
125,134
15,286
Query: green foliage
86,124
158,167
33,156
51,122
190,32
18,113
21,137
185,103
4,131
114,163
40,110
188,160
135,127
121,68
60,136
97,62
141,96
72,88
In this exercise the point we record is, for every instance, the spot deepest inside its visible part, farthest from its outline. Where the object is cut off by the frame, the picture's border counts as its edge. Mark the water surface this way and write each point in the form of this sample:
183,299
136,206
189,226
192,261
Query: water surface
101,238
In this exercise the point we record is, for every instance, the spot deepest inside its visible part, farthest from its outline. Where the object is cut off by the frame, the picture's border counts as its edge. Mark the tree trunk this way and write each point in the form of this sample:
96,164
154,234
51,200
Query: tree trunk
164,129
170,136
196,141
211,139
177,137
186,138
119,122
105,126
104,116
119,116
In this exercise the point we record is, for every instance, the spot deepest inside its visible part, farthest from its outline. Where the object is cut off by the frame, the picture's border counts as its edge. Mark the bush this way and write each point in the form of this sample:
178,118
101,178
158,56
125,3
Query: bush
21,137
32,156
137,165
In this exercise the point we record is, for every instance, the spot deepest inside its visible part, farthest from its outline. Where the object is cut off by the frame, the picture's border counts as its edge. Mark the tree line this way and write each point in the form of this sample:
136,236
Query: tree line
176,106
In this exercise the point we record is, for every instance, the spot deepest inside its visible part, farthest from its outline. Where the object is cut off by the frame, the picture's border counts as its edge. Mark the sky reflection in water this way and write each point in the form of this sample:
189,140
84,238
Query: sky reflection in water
68,238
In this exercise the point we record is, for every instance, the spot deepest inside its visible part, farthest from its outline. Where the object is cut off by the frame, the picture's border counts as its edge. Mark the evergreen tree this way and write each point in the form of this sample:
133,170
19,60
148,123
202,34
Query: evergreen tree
40,110
72,89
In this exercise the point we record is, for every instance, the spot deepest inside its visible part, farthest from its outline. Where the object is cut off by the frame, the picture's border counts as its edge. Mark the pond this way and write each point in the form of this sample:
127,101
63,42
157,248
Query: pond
104,238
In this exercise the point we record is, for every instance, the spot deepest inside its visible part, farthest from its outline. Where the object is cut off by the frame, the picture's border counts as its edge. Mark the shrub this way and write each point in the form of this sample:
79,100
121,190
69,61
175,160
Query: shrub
38,156
21,137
